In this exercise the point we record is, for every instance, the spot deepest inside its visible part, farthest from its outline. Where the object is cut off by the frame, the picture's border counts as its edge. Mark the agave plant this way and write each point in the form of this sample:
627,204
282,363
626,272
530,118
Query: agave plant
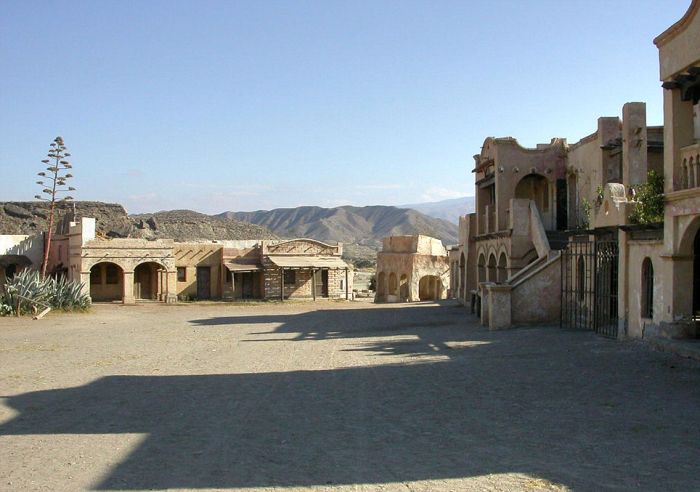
33,293
25,286
67,294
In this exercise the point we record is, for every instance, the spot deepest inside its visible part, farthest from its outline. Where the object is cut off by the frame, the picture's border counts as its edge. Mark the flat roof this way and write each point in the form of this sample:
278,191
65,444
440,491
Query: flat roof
291,261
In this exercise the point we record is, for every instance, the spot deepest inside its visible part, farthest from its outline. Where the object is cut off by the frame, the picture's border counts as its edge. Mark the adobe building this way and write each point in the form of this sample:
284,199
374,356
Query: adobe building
18,252
412,268
551,240
127,270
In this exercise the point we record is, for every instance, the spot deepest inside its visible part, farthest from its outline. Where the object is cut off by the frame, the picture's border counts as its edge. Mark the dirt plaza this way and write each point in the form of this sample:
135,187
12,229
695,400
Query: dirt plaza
336,395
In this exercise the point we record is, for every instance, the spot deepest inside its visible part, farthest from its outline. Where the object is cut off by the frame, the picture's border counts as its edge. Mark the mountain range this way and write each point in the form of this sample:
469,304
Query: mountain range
448,210
361,229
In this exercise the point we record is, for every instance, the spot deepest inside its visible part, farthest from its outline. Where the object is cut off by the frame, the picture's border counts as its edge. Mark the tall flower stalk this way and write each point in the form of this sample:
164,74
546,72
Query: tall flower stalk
53,183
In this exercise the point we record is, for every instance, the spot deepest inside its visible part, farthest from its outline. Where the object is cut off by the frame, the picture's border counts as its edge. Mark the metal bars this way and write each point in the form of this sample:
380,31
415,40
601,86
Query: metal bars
577,284
606,288
589,294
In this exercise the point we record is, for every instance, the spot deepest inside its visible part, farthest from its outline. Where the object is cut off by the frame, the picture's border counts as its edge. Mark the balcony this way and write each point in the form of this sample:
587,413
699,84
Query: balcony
690,167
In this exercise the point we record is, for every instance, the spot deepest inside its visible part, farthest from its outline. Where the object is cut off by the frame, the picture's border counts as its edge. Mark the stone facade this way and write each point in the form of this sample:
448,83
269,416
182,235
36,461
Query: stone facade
532,202
128,270
412,268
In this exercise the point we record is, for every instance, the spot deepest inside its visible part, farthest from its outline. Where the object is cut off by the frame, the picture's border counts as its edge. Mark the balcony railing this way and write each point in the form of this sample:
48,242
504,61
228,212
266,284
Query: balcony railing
690,167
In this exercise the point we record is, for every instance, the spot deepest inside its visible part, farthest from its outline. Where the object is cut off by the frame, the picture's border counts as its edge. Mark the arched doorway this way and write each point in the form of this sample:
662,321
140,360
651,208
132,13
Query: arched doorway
403,288
481,268
392,284
686,278
502,274
536,188
106,282
429,288
381,286
491,273
149,281
462,276
696,277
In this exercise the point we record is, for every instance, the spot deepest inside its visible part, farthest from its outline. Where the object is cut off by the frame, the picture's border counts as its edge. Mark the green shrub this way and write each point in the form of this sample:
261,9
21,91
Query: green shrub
650,200
585,218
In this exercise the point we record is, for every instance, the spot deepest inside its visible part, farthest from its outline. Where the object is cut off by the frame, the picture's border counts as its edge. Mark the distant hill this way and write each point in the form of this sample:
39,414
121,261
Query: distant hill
362,226
448,210
113,221
361,229
187,225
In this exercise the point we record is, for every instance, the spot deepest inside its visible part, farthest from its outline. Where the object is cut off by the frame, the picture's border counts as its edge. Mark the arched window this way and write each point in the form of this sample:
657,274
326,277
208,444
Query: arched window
647,289
502,274
491,269
481,268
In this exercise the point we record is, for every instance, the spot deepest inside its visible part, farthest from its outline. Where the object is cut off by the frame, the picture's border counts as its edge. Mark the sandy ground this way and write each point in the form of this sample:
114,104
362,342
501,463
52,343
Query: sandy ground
349,396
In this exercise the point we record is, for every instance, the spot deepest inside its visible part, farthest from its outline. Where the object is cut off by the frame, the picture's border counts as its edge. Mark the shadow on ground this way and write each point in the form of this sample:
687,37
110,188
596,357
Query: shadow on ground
569,407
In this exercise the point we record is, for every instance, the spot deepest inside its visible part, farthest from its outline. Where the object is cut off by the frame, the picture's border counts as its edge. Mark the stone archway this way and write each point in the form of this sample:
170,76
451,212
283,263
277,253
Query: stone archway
429,288
502,273
106,282
696,277
403,288
381,286
491,269
462,276
686,277
481,269
149,281
392,284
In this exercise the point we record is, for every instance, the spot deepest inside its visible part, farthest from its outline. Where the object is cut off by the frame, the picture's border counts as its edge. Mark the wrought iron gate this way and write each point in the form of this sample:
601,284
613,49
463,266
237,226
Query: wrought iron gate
589,285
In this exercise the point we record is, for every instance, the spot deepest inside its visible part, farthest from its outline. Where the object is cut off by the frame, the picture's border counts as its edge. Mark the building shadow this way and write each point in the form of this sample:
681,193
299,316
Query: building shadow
580,419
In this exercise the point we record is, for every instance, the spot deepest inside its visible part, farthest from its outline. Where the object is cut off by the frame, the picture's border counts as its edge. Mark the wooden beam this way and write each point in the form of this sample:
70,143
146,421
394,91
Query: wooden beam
313,283
346,285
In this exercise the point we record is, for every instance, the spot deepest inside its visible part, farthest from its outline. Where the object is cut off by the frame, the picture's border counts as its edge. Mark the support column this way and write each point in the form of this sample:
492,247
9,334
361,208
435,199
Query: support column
85,280
622,285
313,283
484,315
499,307
282,284
171,287
128,283
160,284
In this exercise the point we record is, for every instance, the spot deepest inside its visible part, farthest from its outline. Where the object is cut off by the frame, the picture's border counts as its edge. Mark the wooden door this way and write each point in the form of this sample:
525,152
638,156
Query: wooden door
203,282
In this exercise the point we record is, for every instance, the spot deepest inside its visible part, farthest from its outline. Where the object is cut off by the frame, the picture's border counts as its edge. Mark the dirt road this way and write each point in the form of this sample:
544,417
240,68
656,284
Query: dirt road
349,396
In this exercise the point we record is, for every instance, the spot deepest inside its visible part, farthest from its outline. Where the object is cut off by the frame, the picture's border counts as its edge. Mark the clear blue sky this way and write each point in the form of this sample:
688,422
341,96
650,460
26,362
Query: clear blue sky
218,106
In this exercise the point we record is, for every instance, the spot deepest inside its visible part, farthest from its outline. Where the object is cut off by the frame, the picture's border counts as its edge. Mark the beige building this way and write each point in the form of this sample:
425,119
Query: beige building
551,240
412,268
18,252
130,270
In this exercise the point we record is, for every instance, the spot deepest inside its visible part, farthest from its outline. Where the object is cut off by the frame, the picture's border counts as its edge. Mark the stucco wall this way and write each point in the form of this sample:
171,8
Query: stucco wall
192,255
679,46
413,266
30,246
537,299
637,326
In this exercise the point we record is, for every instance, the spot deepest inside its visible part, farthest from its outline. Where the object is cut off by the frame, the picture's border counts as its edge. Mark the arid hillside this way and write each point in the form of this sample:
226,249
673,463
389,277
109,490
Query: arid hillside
364,226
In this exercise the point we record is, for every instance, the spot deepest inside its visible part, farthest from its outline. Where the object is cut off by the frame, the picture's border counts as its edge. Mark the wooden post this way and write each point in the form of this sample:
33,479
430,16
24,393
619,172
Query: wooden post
281,284
313,283
346,286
